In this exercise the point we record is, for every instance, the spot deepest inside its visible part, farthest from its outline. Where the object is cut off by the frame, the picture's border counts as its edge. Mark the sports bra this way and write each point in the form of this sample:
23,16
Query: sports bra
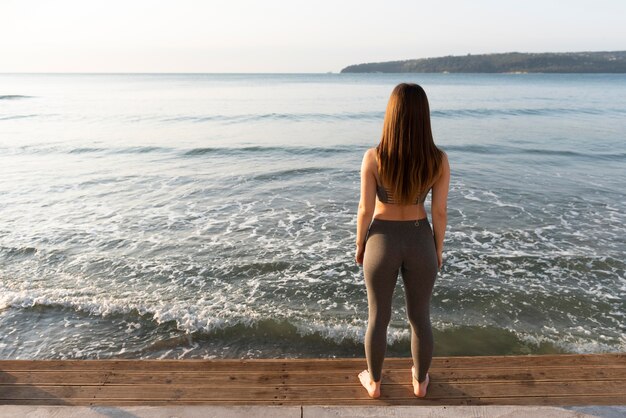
386,196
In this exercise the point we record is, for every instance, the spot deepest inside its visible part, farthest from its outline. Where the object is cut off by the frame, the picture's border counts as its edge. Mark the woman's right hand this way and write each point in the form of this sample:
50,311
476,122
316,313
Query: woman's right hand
360,252
439,259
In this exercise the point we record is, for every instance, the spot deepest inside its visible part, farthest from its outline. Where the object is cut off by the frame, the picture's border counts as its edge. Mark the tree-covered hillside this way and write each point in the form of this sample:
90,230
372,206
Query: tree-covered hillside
566,62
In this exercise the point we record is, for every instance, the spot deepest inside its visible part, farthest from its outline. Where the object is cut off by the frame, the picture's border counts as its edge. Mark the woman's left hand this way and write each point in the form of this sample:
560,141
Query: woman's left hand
360,250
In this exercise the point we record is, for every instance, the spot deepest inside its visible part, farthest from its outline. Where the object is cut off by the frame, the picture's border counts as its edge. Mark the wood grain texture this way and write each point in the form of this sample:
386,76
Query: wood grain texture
598,379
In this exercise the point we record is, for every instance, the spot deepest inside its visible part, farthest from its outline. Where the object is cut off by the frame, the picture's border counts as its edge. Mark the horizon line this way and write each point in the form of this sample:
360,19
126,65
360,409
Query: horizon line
303,73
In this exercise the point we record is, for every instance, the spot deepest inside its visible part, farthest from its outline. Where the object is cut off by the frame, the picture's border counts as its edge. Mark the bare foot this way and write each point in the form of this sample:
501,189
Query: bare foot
373,388
419,389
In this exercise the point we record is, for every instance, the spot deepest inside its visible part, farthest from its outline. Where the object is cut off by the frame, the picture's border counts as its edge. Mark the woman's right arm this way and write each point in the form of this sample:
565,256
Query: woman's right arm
439,207
367,203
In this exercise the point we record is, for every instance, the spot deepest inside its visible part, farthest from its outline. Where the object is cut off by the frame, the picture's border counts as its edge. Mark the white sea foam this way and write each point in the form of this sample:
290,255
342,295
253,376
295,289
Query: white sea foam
204,215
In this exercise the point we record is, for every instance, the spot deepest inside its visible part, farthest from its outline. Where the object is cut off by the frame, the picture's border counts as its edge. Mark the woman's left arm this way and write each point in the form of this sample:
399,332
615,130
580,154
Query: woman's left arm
367,204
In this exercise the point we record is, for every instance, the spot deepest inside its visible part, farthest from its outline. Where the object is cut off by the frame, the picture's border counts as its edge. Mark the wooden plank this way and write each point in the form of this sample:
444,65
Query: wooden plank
138,392
43,377
126,402
162,365
551,401
322,393
464,390
323,377
340,377
500,380
517,400
565,360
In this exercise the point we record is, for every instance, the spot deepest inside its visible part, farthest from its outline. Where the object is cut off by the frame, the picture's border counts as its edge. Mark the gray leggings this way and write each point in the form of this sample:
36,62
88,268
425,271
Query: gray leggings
409,247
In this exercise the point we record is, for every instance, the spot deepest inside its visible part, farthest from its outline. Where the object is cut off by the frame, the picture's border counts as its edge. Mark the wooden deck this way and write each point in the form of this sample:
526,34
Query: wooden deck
502,380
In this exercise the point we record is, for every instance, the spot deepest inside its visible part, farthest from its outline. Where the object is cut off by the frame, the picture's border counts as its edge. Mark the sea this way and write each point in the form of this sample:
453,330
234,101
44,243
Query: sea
214,215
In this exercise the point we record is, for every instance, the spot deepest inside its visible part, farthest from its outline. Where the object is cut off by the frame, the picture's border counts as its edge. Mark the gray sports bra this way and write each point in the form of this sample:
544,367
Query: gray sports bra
386,196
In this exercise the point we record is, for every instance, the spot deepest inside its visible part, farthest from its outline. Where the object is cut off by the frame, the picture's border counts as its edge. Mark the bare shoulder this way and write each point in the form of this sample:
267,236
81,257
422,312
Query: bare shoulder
369,166
444,156
370,154
444,172
369,158
445,164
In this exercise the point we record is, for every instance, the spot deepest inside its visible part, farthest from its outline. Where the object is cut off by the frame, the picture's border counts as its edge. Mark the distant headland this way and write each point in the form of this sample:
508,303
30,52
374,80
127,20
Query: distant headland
512,62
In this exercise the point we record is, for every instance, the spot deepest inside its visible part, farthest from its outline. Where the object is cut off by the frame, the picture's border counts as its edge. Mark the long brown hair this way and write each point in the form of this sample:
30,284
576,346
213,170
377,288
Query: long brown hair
408,160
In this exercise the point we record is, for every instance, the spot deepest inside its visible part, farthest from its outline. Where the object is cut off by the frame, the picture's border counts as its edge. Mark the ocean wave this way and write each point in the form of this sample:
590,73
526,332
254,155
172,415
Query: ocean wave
504,112
183,316
35,149
619,156
14,97
86,150
289,173
314,150
17,251
139,150
192,152
295,117
379,115
12,117
376,116
504,150
297,332
297,150
292,337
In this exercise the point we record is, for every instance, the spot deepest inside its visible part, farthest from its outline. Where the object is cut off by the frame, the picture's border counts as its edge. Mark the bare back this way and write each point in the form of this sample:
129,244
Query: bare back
388,211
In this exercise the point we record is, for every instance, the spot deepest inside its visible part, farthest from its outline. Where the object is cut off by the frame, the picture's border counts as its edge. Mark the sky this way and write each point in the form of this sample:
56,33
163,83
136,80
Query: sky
245,36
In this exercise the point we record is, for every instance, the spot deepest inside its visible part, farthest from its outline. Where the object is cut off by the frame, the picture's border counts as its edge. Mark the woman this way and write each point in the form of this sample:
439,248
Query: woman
400,172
